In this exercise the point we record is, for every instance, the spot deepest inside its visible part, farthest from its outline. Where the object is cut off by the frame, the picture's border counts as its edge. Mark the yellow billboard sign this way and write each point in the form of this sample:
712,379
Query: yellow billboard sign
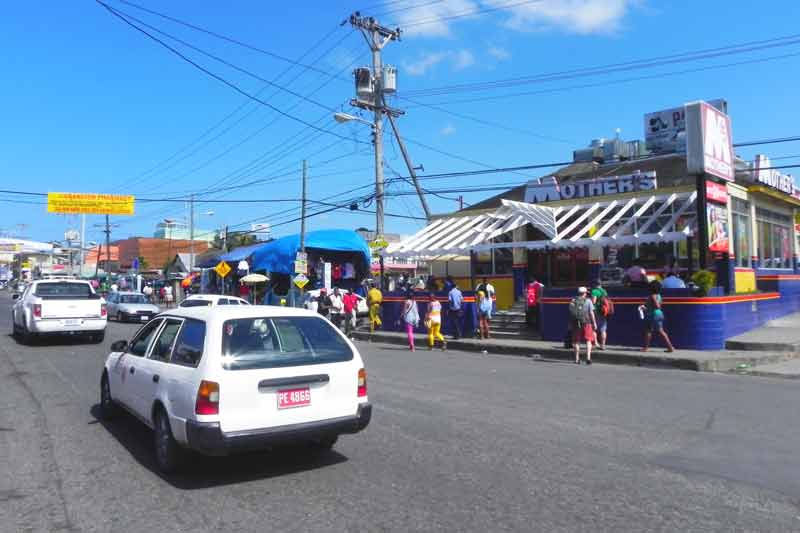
89,203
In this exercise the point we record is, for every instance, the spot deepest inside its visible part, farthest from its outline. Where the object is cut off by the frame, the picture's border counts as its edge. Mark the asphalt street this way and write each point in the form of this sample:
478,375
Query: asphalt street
458,442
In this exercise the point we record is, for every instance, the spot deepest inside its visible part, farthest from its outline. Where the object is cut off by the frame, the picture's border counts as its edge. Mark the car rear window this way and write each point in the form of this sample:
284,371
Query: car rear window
132,299
196,303
249,343
64,290
189,348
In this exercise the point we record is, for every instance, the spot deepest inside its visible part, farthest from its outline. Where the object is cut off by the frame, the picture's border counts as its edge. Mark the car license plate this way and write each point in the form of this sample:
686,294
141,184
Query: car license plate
294,398
144,318
72,322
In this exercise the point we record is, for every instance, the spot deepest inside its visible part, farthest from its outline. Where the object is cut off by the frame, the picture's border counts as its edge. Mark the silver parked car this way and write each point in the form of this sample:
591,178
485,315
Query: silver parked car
130,306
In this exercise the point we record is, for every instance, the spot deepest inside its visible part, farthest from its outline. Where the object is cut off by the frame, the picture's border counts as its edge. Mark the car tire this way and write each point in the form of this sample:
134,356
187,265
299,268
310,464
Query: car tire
169,454
97,338
108,407
27,336
119,317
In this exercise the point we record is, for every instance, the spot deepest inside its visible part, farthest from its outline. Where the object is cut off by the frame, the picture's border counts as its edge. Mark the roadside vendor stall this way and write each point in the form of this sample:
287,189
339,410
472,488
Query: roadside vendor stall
333,258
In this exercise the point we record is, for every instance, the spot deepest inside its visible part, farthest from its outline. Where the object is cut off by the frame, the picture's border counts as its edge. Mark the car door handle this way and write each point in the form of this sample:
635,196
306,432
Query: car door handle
155,378
132,370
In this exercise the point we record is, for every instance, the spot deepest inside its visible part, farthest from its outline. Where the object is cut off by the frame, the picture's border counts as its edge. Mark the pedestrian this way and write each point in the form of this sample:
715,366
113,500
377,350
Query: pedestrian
433,321
583,323
534,293
654,318
455,310
603,308
337,307
148,293
168,296
487,289
484,315
349,305
323,303
636,274
449,284
162,295
410,318
432,285
374,300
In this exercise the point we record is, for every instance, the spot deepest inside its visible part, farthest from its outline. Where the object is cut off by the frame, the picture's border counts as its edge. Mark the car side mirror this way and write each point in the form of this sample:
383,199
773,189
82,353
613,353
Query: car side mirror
15,296
119,346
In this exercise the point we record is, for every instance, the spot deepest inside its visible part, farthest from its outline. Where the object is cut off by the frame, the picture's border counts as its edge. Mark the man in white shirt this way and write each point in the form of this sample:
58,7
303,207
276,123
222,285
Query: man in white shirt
337,307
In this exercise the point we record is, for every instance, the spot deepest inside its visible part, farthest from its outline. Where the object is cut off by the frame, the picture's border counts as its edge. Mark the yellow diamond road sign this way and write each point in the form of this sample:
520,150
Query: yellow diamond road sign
222,269
300,280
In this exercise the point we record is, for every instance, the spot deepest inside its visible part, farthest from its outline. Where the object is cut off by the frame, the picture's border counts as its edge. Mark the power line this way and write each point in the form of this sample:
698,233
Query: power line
231,40
469,13
751,46
613,82
216,76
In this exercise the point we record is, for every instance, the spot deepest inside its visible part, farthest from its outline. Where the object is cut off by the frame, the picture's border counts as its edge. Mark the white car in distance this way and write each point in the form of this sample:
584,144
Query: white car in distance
220,380
211,300
59,306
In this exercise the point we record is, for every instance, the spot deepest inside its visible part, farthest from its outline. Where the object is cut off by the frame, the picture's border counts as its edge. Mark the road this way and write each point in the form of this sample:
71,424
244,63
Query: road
458,442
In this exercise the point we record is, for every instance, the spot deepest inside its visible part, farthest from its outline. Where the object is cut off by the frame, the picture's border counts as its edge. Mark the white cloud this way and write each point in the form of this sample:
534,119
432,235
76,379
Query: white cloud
458,59
447,131
499,53
433,19
463,59
573,16
422,65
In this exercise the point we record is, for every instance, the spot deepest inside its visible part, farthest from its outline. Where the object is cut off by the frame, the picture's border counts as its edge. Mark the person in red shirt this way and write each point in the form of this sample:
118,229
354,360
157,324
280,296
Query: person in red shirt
350,303
534,294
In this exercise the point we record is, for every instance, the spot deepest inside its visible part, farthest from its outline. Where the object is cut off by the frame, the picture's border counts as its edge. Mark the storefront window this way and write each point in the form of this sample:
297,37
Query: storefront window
741,232
774,239
503,257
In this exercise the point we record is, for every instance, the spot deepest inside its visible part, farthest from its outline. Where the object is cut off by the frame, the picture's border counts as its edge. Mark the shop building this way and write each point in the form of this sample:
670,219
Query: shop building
678,201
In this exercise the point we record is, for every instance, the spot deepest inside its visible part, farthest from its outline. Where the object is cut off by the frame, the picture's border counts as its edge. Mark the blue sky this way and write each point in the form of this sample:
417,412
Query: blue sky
92,105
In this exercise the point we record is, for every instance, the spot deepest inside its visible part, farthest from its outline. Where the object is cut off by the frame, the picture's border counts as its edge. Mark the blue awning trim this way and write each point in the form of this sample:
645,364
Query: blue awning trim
242,253
278,256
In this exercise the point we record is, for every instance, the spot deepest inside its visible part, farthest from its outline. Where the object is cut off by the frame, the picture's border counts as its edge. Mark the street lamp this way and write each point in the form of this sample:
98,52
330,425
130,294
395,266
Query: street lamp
341,118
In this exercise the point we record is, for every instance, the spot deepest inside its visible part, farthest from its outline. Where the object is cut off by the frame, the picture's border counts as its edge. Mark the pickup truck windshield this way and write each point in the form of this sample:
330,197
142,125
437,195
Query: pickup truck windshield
65,290
281,341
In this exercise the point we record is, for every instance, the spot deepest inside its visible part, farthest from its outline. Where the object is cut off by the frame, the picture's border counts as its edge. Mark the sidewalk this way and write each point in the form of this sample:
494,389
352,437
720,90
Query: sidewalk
779,335
701,361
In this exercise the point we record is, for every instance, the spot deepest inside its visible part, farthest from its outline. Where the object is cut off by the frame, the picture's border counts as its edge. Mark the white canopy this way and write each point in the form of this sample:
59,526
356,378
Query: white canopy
611,223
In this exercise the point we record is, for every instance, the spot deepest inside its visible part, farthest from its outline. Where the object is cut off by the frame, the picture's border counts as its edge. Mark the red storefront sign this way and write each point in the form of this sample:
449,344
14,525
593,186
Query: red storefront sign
716,192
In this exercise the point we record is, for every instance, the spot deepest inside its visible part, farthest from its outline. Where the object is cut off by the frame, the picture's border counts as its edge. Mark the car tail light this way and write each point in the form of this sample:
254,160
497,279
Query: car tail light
37,310
103,310
207,398
362,383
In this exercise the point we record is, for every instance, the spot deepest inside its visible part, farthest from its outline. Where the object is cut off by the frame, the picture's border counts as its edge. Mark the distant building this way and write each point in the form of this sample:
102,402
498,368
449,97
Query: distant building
180,231
155,252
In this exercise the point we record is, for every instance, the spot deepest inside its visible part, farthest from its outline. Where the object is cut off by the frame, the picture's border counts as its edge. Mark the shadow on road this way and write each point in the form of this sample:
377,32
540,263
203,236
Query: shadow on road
53,340
202,472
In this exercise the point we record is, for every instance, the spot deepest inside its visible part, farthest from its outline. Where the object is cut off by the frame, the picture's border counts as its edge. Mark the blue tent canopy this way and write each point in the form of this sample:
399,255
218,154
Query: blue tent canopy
241,253
278,256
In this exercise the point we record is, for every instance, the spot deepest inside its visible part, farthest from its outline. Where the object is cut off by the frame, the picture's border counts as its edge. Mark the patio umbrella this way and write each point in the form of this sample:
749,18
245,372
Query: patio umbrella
254,278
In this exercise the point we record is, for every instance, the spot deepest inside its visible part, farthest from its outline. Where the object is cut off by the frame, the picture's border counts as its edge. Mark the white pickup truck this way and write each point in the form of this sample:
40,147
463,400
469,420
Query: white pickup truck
59,307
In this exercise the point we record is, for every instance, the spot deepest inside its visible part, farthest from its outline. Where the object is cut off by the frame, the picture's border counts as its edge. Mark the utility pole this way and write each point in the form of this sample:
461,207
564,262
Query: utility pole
303,218
303,210
377,37
191,234
83,245
107,230
411,170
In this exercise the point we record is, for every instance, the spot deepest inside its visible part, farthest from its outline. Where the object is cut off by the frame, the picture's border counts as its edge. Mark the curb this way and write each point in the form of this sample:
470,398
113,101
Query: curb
608,357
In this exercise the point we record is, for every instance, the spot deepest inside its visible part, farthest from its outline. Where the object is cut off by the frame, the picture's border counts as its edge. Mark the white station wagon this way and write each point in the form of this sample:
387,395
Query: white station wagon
220,380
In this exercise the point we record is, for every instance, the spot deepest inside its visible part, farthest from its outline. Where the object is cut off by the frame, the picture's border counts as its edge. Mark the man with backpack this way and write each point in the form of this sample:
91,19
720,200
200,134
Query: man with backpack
583,324
603,308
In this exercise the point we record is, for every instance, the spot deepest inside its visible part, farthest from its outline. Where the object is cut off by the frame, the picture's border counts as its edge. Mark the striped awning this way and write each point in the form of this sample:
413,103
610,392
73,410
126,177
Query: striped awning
643,219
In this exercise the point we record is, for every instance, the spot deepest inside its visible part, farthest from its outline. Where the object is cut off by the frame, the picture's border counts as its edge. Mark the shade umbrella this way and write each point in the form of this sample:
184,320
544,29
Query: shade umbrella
254,278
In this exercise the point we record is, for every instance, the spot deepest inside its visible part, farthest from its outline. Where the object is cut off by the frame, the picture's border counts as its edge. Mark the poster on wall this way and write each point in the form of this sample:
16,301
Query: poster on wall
717,228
